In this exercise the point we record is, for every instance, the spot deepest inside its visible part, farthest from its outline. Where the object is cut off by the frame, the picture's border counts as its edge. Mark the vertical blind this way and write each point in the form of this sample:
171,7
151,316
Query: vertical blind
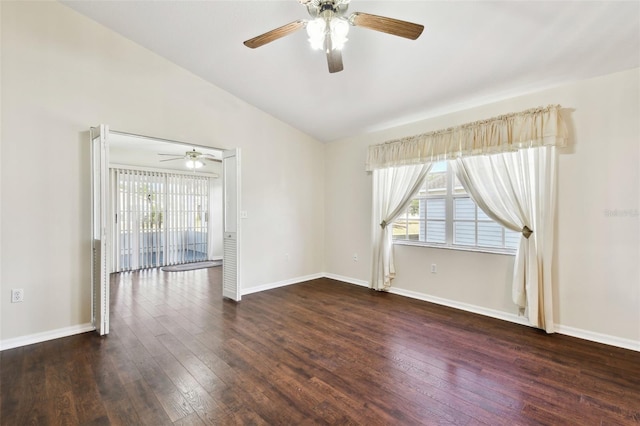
160,218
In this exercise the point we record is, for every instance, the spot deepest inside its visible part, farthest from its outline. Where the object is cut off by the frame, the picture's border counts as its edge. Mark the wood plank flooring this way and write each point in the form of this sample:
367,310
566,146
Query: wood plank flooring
320,352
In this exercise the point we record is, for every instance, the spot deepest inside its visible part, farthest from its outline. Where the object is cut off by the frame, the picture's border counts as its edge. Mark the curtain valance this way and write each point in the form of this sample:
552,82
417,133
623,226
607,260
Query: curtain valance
511,132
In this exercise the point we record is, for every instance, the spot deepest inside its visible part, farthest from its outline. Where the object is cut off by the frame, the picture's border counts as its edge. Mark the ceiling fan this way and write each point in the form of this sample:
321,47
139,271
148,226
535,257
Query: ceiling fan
194,159
329,27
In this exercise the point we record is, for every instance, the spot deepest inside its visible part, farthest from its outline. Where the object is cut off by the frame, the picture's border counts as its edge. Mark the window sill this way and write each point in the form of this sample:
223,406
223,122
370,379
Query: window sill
504,252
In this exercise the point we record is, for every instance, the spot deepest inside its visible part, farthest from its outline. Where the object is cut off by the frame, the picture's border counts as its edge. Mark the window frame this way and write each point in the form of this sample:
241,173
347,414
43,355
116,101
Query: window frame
449,220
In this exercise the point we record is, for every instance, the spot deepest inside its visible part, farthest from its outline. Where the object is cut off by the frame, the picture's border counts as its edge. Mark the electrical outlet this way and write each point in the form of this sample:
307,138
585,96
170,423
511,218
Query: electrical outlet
355,257
17,295
434,268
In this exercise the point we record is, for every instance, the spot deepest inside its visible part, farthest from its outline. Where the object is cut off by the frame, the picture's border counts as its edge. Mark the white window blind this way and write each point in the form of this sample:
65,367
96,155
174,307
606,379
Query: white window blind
160,218
187,215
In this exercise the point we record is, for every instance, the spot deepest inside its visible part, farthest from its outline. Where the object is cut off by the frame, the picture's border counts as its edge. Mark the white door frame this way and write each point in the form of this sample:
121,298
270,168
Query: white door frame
101,229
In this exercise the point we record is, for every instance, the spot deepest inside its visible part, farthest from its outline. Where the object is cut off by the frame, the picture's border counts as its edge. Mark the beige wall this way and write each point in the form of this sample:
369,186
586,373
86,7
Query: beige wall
62,73
596,262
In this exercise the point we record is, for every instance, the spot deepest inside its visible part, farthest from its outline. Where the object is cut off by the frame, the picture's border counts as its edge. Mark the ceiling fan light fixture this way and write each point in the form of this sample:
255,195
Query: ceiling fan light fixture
194,164
339,30
316,30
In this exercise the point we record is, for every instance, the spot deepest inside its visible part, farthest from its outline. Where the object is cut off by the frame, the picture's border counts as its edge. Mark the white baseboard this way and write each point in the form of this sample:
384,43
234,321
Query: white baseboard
437,300
284,283
44,336
606,339
348,280
505,316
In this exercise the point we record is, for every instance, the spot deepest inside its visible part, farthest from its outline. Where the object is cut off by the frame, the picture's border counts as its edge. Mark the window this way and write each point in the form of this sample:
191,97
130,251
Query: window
443,215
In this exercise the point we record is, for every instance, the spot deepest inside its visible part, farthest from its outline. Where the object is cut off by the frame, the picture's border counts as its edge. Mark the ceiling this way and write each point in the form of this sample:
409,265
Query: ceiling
471,53
147,152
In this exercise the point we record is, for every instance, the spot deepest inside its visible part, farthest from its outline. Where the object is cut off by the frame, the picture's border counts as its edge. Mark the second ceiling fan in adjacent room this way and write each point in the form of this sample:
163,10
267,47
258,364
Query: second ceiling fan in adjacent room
193,159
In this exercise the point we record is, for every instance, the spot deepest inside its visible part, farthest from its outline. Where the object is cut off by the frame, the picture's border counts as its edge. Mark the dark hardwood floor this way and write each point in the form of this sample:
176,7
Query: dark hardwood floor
321,352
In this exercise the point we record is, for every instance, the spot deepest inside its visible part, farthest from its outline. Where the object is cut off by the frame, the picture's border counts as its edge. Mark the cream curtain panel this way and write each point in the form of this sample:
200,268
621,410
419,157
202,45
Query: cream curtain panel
515,187
517,190
393,189
506,133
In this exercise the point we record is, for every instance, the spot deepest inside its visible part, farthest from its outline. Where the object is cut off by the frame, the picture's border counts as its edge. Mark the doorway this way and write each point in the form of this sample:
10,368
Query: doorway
148,156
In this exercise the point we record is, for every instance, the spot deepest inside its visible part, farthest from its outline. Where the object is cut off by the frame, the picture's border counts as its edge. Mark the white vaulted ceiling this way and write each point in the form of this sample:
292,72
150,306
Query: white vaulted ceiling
470,53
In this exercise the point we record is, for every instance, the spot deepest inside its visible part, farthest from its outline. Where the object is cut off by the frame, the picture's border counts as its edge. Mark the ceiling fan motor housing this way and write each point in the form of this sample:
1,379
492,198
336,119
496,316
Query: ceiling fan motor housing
327,8
193,154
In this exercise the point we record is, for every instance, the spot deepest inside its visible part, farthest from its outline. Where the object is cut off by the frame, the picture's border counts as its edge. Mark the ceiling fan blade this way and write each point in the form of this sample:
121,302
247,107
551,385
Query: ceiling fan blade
171,155
210,158
173,159
387,25
334,56
334,59
272,35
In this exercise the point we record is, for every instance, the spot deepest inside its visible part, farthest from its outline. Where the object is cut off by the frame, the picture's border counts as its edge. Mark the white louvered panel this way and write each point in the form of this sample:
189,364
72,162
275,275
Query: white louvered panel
97,276
229,267
231,225
105,291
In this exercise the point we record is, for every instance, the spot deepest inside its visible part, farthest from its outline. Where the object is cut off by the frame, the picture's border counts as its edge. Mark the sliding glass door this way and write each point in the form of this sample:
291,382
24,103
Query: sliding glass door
160,218
187,213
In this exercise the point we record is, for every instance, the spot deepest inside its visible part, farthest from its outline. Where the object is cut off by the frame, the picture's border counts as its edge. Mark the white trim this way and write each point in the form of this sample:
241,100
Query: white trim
505,316
475,249
278,284
605,339
592,336
44,336
156,139
348,280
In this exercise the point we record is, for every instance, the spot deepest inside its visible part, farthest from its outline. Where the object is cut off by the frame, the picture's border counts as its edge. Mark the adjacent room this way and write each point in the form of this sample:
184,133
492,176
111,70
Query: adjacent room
420,212
165,199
